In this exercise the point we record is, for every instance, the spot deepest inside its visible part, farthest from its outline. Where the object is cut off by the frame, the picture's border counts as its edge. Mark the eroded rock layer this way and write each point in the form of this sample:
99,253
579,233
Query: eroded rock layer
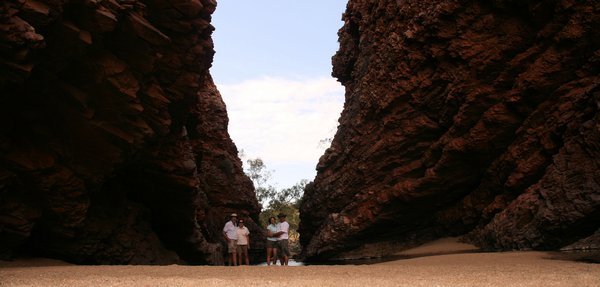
113,143
461,117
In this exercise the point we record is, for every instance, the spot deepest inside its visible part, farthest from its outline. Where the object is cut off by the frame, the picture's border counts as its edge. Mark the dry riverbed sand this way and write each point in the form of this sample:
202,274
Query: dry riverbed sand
465,269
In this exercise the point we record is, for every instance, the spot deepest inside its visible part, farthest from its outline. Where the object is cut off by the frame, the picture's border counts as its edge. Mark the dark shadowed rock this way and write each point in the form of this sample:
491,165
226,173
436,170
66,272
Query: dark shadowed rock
461,117
113,142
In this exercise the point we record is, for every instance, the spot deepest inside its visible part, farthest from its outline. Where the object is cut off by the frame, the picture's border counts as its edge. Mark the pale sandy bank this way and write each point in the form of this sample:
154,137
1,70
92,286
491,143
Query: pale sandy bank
471,269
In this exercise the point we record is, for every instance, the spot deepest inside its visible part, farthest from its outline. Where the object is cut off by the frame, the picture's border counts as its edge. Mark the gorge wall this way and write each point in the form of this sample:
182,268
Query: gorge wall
475,118
114,144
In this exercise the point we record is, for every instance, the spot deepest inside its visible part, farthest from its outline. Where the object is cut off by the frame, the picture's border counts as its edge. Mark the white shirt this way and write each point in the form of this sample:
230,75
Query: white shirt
273,228
230,230
285,228
242,233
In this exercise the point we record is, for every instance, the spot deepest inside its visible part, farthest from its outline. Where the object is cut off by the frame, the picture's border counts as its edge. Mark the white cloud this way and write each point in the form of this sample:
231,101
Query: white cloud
282,120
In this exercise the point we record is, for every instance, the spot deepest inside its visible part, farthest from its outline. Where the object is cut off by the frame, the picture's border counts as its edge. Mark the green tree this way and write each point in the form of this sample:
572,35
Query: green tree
290,196
274,201
287,201
259,174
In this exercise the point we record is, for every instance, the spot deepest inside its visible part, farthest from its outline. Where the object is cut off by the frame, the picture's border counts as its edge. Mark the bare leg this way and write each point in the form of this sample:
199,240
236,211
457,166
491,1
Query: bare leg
269,250
234,255
246,254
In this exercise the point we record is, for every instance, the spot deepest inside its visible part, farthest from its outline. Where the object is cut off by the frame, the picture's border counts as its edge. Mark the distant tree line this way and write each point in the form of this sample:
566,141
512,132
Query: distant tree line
274,200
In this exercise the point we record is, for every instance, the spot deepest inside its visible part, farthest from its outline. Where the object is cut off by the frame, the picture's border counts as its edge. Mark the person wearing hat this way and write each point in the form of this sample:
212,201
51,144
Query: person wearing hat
282,237
230,234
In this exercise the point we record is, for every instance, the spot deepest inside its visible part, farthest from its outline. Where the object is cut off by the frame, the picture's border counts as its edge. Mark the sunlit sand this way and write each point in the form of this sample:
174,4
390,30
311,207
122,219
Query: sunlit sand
463,269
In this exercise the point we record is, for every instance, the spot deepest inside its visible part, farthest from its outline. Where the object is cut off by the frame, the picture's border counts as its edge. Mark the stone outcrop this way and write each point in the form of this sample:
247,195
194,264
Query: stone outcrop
113,143
475,118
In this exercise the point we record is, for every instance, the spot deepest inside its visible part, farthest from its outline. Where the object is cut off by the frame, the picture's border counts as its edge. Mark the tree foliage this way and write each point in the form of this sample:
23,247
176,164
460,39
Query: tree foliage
325,143
259,174
290,195
287,201
274,201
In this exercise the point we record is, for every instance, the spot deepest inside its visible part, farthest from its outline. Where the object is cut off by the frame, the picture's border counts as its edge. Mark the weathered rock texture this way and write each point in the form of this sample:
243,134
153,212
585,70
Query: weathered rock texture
461,117
113,143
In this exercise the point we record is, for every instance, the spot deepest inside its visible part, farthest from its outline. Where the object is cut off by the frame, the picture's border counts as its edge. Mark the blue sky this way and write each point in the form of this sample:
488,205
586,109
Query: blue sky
273,68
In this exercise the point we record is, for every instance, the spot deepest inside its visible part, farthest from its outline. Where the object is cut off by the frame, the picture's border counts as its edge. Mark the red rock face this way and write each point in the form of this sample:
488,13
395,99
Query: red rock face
113,143
461,117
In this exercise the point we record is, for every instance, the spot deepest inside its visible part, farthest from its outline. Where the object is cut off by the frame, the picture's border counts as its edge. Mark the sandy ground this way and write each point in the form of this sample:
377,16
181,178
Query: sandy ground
439,247
466,269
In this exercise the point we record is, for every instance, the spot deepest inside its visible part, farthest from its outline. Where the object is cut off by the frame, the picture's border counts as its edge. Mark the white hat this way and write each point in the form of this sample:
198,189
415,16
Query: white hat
233,215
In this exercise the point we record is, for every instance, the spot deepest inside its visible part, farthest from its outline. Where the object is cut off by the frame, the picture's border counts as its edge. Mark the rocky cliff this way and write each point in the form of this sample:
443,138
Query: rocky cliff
476,118
113,143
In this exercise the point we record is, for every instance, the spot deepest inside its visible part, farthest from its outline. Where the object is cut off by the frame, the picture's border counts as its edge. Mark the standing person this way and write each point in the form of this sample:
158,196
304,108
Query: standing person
272,228
243,242
283,236
230,234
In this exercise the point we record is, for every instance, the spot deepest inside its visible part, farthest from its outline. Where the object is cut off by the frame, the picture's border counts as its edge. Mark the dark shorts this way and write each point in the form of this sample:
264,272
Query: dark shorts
242,249
284,247
272,244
